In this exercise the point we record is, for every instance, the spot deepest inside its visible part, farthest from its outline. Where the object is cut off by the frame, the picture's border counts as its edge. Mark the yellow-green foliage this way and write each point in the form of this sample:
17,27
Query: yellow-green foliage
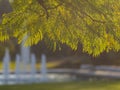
93,23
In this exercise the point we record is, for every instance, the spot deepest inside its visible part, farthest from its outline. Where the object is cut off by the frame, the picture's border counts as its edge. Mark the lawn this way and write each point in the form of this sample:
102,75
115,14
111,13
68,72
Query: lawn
81,85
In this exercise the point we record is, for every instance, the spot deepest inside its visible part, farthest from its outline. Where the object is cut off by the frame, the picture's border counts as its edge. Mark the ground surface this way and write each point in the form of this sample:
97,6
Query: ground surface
68,62
82,85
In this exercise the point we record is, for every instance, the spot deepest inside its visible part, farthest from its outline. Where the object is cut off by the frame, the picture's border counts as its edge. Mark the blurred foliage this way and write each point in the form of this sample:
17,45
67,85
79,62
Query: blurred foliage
13,48
5,7
93,23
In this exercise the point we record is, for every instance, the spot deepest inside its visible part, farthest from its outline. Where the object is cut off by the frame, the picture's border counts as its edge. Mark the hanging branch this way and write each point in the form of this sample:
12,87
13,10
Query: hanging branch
41,2
46,8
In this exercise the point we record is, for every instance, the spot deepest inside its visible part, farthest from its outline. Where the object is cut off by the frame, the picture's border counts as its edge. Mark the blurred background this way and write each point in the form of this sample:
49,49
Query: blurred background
64,58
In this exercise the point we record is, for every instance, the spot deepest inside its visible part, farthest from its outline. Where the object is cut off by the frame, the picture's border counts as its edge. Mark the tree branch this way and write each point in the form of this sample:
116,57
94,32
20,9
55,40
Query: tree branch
94,20
42,3
54,6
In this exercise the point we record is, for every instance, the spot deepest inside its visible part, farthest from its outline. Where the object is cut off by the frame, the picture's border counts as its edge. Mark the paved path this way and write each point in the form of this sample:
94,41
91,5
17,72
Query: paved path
86,72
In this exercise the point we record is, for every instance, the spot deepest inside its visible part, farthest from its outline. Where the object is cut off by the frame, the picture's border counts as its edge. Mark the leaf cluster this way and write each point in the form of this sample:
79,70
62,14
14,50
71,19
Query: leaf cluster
93,23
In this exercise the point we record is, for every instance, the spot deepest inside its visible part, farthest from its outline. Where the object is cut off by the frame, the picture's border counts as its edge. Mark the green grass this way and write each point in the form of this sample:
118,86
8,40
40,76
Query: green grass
82,85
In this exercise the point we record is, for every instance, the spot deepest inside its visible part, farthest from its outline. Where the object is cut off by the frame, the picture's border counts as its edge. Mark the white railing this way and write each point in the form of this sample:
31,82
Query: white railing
21,73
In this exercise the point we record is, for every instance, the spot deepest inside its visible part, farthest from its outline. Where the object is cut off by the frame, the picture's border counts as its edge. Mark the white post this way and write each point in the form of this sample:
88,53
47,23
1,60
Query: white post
6,65
33,67
43,68
17,69
25,56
